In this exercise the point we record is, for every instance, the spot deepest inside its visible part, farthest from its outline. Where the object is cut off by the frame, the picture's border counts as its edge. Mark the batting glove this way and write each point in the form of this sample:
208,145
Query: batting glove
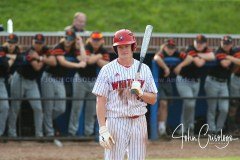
105,139
136,88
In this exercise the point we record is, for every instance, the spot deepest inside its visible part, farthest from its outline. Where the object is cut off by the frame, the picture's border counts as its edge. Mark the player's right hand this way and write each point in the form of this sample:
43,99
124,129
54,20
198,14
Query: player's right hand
136,88
166,72
33,55
199,62
81,64
80,41
177,70
99,56
105,138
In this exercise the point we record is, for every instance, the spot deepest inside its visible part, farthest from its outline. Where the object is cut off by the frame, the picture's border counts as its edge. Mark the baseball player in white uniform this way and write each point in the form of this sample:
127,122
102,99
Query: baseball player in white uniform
121,115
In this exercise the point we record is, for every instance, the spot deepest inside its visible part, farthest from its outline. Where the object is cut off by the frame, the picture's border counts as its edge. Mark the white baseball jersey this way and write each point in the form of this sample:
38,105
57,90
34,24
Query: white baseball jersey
114,82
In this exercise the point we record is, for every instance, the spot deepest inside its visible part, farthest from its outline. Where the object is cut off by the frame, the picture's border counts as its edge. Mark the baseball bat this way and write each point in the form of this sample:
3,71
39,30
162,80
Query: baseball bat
144,48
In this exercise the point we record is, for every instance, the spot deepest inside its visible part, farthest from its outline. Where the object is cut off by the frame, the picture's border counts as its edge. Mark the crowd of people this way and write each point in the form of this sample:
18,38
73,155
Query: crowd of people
187,75
23,69
71,57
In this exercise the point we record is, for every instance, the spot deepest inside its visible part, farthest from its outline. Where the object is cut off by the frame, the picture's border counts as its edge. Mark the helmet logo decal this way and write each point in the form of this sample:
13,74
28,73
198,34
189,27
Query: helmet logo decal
120,38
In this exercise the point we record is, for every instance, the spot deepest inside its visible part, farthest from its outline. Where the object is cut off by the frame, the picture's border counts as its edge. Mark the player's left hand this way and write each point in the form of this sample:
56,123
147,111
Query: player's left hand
136,88
198,61
105,138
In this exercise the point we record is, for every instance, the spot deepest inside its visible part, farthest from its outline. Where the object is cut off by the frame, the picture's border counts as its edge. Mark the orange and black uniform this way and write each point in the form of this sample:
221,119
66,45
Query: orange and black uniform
83,83
165,87
216,85
192,72
4,66
176,54
90,71
27,70
53,85
219,72
60,71
18,61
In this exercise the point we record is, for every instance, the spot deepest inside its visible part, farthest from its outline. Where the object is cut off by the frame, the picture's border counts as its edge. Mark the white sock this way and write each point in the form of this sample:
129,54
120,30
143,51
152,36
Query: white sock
161,127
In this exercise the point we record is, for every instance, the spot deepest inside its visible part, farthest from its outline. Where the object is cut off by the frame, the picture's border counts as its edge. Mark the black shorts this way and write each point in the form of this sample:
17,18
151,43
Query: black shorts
165,90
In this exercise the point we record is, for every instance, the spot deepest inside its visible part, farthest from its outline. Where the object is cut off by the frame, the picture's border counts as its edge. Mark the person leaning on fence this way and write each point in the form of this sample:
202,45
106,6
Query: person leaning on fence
53,78
97,57
216,84
13,50
5,63
233,126
188,80
24,84
167,76
79,22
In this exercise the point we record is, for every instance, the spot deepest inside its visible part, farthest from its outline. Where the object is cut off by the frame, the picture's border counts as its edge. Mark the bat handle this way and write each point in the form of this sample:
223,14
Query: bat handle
133,91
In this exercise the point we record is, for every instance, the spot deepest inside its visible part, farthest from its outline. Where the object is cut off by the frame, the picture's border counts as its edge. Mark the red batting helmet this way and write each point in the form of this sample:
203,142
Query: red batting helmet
122,37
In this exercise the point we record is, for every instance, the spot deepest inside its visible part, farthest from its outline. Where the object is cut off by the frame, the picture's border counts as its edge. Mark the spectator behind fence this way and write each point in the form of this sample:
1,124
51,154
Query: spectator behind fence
216,84
52,82
6,61
83,84
233,125
24,84
188,81
167,77
79,22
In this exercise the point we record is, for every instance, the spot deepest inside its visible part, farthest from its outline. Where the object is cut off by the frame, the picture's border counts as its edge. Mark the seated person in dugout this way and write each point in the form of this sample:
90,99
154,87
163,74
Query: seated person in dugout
97,57
79,22
167,75
188,80
52,81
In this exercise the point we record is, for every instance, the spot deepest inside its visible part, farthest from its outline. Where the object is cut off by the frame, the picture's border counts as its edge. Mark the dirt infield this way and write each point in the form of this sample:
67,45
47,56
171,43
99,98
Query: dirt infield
92,151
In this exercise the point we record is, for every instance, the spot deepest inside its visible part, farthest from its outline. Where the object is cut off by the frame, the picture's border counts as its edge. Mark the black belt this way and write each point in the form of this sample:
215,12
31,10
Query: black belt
218,79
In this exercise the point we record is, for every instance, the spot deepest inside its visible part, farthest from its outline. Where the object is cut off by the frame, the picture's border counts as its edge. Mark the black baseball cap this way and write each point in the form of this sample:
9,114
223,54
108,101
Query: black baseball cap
70,35
171,44
227,40
12,38
96,36
39,38
201,39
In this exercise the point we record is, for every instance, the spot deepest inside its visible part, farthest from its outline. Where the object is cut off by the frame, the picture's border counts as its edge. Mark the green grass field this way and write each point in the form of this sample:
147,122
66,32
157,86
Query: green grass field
175,16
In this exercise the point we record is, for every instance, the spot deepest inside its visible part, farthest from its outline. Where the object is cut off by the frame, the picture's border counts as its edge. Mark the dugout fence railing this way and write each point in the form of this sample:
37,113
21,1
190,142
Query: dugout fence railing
152,119
182,40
